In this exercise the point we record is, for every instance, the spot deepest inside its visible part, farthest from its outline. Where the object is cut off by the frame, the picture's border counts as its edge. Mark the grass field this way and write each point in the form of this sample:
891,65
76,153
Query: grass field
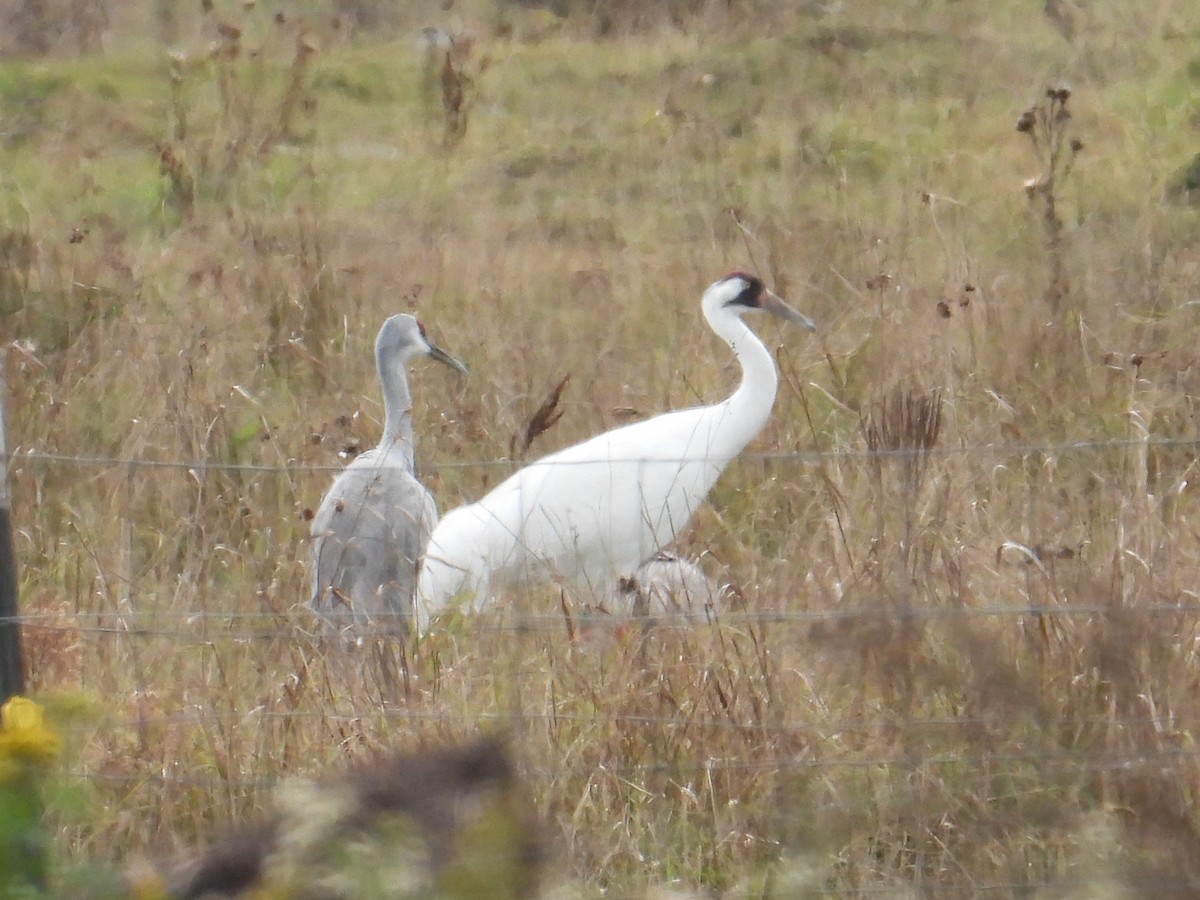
957,661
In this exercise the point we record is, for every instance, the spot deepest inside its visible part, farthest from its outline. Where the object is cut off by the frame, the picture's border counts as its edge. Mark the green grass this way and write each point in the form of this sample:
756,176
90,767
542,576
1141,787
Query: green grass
891,731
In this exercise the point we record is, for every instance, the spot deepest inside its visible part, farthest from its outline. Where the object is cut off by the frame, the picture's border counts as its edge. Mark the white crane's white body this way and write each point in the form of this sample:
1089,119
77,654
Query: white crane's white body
594,512
588,513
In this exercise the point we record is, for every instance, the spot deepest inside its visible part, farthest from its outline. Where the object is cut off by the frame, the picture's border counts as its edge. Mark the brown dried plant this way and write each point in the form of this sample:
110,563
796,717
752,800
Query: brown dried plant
901,430
216,158
448,79
1048,125
296,93
544,418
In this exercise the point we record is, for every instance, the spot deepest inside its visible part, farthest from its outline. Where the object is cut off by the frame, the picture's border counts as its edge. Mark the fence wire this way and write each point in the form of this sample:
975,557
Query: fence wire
1053,448
1156,742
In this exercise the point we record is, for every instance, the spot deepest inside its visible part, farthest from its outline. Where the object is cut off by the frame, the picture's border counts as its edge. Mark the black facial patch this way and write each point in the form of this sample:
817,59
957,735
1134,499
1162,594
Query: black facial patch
751,295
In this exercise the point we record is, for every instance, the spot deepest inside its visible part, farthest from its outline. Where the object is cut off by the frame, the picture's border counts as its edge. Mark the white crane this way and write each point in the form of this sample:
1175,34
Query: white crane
594,512
374,521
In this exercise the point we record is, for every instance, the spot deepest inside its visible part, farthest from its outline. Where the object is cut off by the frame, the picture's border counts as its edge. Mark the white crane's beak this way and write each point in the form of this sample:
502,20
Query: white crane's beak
442,356
776,305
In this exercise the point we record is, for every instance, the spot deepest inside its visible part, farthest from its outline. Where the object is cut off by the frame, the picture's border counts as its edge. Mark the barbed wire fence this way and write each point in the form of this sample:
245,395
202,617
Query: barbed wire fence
176,623
200,627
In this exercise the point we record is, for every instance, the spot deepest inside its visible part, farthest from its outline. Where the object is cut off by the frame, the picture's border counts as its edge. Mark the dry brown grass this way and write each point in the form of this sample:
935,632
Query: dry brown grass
966,663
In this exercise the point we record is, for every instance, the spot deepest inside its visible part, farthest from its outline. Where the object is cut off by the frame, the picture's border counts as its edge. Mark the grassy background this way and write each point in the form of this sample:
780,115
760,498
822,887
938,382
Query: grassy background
941,672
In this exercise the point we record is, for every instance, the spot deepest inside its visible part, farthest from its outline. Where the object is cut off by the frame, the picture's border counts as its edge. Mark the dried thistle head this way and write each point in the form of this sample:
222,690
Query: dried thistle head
1046,117
1059,92
1048,123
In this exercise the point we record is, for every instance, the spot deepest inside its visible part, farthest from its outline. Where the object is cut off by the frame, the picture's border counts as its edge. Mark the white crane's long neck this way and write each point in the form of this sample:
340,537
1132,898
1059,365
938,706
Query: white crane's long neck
397,409
749,407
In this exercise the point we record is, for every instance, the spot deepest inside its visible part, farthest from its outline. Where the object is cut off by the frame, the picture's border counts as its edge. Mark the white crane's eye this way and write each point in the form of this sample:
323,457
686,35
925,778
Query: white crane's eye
751,292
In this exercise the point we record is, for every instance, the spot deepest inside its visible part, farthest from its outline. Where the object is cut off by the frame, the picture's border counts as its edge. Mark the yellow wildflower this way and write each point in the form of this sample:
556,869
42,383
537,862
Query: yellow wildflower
146,884
24,735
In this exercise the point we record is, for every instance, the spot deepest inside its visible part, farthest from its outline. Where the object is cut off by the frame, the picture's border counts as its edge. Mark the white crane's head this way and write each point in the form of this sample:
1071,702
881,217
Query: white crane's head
738,292
402,337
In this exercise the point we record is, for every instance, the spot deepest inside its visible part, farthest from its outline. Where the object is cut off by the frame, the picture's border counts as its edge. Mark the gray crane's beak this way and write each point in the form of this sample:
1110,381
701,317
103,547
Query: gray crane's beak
442,356
775,305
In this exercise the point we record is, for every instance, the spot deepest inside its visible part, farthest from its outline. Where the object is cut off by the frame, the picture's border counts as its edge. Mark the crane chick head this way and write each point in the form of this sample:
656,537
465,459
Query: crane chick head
739,292
403,337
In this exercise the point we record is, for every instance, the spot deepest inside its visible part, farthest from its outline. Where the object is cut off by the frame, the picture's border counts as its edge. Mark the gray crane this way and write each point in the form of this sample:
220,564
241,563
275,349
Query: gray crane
374,521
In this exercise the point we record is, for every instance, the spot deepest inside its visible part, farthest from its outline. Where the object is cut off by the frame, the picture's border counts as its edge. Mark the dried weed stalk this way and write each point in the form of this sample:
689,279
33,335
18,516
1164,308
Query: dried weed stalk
296,94
214,166
213,160
446,81
903,428
1048,125
905,425
17,255
543,419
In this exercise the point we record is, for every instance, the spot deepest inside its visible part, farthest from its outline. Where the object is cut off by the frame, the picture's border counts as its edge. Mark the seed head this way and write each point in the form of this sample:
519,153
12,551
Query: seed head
1026,121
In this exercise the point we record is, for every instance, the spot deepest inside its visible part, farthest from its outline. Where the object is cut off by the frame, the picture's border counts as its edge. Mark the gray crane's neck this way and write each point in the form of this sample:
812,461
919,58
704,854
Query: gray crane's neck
397,409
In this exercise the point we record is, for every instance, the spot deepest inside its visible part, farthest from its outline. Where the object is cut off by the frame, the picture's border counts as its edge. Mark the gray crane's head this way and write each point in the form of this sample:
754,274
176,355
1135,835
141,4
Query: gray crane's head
402,337
738,292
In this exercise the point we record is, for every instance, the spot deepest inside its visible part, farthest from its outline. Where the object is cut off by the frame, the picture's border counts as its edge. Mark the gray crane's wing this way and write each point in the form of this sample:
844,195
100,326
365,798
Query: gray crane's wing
368,533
